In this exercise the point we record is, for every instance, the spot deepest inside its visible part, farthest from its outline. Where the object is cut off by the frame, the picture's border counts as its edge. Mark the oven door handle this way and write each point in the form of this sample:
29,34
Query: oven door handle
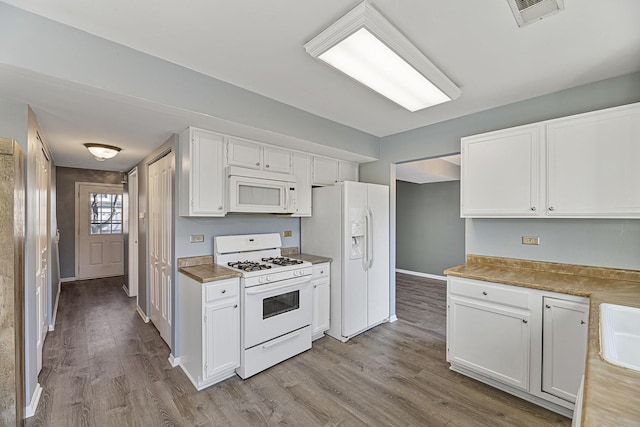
263,289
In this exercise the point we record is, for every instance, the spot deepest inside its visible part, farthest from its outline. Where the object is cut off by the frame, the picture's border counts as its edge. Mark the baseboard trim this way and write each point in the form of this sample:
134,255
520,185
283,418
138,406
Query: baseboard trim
393,318
55,309
30,410
126,290
417,273
141,313
67,279
173,361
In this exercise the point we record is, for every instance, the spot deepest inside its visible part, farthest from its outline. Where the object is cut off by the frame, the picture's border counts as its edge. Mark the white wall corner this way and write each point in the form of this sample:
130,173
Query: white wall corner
173,361
55,309
30,410
141,313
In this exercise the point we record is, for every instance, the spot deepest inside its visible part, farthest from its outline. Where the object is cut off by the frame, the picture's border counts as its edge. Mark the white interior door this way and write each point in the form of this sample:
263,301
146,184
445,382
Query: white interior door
99,241
42,248
160,243
133,233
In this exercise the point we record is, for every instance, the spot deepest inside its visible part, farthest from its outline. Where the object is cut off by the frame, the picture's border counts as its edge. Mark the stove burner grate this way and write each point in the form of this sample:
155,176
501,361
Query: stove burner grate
248,265
282,261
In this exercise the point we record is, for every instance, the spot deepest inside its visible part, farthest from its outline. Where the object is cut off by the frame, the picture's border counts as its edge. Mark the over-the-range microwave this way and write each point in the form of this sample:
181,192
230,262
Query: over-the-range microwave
257,191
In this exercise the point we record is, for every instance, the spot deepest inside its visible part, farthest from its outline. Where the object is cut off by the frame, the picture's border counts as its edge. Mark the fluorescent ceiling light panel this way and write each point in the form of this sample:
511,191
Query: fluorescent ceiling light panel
366,47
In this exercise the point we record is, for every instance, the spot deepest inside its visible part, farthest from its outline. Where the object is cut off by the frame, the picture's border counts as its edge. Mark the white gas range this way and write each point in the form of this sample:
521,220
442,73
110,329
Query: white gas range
276,299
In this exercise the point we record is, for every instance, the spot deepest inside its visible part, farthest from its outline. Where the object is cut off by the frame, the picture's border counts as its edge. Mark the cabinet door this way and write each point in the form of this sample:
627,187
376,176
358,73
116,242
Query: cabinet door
277,160
302,172
347,171
499,173
325,171
205,174
592,163
246,154
222,337
320,318
564,346
489,339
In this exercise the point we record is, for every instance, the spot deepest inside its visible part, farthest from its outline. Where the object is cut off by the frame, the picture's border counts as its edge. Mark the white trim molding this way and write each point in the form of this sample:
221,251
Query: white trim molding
67,279
126,289
55,309
417,273
141,313
173,361
393,318
30,410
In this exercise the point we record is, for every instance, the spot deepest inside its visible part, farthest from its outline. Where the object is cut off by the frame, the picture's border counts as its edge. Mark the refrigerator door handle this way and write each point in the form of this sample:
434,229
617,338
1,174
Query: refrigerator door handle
365,256
370,239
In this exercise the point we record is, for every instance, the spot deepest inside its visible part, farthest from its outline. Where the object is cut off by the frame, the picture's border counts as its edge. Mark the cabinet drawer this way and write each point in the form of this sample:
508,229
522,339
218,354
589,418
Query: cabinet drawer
490,292
220,290
320,270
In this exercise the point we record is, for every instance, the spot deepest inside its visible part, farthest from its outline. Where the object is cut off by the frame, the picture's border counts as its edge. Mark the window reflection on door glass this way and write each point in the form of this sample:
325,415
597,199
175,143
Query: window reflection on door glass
106,213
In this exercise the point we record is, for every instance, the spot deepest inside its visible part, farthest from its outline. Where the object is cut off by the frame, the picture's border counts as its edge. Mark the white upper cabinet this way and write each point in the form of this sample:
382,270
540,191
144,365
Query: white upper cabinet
302,172
347,171
582,166
593,164
201,173
499,173
325,171
252,155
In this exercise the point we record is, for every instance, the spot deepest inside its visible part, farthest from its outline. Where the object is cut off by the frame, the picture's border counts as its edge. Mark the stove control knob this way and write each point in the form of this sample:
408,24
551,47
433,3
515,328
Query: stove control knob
296,273
268,278
260,279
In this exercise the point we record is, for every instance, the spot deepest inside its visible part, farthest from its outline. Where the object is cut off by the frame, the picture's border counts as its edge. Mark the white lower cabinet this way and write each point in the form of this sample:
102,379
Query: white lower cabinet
564,343
528,342
321,300
209,330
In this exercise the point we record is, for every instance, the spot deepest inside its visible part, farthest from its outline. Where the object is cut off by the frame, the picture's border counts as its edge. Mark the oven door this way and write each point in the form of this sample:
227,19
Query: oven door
275,309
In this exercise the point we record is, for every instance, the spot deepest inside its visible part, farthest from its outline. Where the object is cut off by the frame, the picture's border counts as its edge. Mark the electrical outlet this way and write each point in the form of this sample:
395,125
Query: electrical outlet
287,233
528,240
196,238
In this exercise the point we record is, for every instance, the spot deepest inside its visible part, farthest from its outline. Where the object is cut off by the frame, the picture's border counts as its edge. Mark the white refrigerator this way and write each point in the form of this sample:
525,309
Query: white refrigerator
350,224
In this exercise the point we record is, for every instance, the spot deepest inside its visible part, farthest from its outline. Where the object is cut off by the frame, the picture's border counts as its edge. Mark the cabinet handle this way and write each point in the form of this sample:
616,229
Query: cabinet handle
547,305
525,321
533,208
550,208
224,291
484,293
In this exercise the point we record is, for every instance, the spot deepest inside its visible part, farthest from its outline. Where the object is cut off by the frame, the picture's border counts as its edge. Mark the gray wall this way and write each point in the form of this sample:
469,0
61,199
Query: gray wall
66,179
31,42
429,230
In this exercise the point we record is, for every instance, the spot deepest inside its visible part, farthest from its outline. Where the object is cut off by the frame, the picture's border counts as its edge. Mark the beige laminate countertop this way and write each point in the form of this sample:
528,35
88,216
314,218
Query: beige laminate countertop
313,259
611,393
202,269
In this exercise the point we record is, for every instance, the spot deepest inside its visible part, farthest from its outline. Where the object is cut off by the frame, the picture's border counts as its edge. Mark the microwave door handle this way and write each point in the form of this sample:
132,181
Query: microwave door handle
286,198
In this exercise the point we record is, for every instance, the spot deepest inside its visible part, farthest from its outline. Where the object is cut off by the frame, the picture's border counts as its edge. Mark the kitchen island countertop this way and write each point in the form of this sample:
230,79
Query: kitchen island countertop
611,395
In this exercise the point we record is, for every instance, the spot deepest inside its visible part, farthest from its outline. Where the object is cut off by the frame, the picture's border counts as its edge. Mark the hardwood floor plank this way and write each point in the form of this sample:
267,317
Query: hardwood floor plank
103,366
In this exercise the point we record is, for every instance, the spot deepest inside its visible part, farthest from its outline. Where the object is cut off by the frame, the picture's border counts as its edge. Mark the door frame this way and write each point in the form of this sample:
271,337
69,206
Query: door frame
77,219
133,236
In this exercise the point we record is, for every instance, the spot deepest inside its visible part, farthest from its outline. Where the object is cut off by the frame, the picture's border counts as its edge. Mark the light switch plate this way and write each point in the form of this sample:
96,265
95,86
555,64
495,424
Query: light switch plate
196,238
529,240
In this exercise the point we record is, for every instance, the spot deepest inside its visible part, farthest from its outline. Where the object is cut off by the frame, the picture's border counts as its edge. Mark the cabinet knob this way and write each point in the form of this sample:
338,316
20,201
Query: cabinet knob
235,306
315,286
582,322
219,208
257,163
224,291
321,271
266,166
533,208
550,208
547,305
525,321
484,293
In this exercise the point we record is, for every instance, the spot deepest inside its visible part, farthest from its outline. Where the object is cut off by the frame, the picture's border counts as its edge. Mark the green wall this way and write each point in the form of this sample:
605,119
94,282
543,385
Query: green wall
429,230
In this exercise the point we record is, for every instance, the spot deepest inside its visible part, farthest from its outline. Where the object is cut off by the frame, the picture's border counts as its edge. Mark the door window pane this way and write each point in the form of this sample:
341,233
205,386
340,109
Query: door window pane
106,213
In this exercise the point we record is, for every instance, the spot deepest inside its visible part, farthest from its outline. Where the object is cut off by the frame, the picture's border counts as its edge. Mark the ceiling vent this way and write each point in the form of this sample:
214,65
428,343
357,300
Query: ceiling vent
528,11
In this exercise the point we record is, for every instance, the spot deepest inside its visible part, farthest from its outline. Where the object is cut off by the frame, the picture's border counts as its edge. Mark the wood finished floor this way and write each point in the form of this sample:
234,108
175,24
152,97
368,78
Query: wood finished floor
103,366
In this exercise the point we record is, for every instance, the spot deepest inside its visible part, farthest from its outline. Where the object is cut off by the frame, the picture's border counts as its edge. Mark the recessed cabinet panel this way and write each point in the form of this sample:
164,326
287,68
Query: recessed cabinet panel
499,174
347,171
325,171
491,340
276,160
222,342
564,346
321,300
246,154
592,164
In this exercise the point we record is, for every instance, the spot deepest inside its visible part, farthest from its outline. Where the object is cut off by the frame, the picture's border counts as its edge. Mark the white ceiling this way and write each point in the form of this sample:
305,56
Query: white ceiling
439,169
257,45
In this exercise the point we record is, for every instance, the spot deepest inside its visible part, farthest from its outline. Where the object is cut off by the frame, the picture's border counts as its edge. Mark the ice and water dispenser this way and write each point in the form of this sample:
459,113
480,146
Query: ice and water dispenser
356,219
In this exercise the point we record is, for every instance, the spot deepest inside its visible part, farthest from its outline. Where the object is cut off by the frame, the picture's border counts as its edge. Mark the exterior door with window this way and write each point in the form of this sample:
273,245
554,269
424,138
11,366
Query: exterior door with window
99,243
